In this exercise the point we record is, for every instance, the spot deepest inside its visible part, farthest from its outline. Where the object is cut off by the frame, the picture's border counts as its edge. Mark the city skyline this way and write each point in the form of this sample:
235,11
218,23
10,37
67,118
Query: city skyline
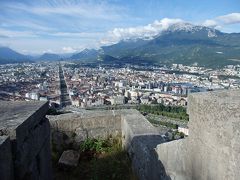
35,27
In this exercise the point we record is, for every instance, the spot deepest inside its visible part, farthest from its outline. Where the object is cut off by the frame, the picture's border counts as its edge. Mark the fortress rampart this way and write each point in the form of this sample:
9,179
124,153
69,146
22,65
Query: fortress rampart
24,141
211,151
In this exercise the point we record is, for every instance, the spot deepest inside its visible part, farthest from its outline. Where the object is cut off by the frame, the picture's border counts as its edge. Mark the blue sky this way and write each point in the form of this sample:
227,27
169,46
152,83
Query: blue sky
67,26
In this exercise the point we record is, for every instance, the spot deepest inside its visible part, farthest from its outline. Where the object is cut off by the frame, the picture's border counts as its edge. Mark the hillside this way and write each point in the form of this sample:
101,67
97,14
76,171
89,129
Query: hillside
49,57
8,55
182,43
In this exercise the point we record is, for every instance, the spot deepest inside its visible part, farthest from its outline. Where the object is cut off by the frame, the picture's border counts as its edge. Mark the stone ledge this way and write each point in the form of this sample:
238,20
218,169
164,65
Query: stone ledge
17,117
25,141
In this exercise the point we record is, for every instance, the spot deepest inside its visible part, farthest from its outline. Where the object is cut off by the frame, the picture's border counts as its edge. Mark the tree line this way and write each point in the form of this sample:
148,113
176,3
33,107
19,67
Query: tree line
169,111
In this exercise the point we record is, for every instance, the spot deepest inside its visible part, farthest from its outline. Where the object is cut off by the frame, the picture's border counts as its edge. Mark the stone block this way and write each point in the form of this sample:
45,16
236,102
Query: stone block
28,149
69,158
32,146
81,135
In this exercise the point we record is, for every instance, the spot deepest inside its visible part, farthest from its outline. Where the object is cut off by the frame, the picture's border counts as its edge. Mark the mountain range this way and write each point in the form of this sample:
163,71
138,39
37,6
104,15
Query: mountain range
181,43
8,55
49,57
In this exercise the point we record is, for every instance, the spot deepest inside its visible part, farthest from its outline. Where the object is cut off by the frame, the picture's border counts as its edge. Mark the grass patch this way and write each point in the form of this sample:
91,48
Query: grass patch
100,159
168,111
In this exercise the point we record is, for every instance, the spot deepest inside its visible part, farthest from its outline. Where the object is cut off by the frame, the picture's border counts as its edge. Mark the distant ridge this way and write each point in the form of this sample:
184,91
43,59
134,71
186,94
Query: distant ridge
8,55
49,57
86,54
181,43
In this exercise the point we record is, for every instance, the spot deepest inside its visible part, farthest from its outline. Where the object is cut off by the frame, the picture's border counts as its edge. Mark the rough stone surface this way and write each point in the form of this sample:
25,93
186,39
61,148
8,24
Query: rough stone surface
139,137
29,133
20,114
134,124
175,158
69,158
73,128
212,150
6,162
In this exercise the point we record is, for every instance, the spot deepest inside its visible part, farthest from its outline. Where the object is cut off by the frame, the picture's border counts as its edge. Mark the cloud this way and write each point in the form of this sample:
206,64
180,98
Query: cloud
67,26
32,25
17,34
85,9
153,29
210,23
66,21
48,51
228,19
82,35
144,32
3,36
69,49
232,18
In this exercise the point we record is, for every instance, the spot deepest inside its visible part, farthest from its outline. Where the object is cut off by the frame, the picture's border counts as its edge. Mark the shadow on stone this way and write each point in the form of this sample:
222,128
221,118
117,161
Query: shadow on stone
144,157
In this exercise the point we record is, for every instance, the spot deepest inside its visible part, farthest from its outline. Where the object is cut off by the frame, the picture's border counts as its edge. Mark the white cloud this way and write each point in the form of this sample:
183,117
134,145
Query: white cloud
153,29
232,18
85,9
69,49
3,36
48,51
224,20
146,32
17,34
85,35
210,23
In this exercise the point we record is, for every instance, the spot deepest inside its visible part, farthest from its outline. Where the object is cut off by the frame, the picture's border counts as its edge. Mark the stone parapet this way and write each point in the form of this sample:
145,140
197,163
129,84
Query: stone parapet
25,132
212,149
73,128
139,136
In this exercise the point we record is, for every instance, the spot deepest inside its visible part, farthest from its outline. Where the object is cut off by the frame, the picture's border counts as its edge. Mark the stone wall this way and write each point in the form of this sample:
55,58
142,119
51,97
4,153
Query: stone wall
6,161
212,150
72,128
24,141
139,137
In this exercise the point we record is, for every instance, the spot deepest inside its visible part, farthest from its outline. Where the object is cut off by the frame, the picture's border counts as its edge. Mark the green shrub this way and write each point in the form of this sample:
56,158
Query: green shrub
169,111
97,145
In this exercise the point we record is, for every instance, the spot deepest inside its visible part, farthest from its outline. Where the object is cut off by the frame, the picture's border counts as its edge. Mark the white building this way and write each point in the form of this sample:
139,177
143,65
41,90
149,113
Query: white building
117,100
183,129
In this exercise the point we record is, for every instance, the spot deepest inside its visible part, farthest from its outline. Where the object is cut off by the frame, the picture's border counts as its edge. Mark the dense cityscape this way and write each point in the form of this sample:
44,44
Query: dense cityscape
89,86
